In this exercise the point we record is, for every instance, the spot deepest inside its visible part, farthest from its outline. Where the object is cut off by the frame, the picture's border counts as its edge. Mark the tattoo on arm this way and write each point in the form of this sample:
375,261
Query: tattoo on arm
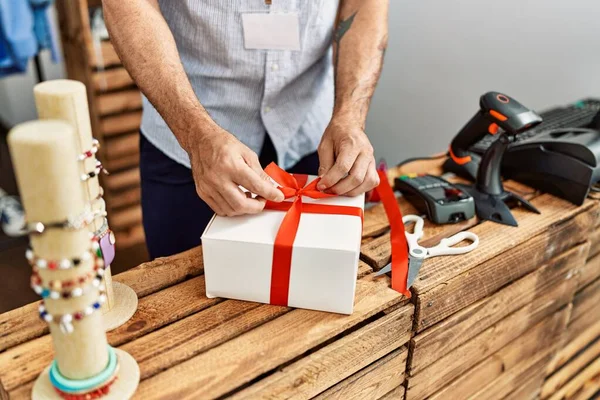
341,30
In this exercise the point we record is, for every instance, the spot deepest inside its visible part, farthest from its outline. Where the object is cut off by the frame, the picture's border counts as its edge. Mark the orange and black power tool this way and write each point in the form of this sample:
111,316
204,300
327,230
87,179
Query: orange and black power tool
497,111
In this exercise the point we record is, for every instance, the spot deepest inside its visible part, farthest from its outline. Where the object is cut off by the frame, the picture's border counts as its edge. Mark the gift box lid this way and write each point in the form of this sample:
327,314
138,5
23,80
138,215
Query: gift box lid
326,231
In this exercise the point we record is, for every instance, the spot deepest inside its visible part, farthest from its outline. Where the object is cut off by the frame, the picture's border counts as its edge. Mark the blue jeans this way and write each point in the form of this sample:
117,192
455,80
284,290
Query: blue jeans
173,214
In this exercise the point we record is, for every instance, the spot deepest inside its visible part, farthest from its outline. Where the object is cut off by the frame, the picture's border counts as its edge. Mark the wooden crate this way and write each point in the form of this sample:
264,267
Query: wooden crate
217,347
488,323
115,111
509,320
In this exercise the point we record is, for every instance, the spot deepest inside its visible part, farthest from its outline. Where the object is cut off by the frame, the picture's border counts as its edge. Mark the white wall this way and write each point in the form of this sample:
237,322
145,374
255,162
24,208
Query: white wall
443,54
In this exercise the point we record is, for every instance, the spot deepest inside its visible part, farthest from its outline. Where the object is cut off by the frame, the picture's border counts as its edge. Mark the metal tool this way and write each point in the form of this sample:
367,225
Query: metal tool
418,253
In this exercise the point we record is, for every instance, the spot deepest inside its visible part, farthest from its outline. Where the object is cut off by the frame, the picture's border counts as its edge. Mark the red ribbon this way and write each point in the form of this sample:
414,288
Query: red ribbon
294,186
398,238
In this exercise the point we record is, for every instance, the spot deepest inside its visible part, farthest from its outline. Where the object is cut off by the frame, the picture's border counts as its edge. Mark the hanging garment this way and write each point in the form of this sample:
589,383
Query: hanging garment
17,39
43,27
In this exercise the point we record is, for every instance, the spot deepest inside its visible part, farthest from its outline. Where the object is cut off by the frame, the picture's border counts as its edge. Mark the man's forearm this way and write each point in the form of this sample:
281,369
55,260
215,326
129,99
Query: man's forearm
147,48
360,40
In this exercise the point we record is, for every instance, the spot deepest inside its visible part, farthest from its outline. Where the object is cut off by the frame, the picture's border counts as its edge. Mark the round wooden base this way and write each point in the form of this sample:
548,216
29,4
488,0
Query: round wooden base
126,303
123,388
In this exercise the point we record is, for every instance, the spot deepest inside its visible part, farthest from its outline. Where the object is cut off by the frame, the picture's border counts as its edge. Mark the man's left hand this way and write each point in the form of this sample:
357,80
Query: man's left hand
347,166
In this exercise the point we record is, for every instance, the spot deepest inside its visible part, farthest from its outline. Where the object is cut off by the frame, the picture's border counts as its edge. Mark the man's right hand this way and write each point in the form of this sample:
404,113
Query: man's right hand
221,163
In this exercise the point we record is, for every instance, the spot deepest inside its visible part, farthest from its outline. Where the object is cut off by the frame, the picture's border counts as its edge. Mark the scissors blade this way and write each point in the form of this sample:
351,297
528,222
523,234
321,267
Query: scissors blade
384,270
414,266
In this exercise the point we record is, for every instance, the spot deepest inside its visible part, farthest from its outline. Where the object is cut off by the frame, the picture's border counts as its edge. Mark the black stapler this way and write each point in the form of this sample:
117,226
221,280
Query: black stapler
563,162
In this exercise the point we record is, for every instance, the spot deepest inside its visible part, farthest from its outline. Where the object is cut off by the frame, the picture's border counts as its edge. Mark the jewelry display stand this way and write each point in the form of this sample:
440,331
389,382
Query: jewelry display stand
62,252
67,100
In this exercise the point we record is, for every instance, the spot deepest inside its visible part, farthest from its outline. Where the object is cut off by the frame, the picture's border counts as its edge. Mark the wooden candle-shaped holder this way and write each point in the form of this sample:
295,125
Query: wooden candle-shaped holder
67,100
45,162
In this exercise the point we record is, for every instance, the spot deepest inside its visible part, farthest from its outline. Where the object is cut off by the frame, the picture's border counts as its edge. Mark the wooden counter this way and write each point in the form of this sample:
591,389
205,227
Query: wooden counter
516,318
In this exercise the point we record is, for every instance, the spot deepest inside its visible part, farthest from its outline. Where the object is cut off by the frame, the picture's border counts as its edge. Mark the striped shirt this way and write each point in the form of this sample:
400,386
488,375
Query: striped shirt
249,93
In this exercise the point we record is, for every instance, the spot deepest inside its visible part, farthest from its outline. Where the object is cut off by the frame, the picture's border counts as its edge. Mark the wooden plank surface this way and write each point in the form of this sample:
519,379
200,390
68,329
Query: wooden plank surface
561,377
589,272
495,239
539,340
112,79
122,180
590,374
126,198
123,145
504,384
121,123
154,311
118,102
372,382
124,218
23,324
533,290
335,362
579,334
587,300
595,241
108,56
121,163
226,367
396,394
169,326
505,266
130,236
530,390
449,367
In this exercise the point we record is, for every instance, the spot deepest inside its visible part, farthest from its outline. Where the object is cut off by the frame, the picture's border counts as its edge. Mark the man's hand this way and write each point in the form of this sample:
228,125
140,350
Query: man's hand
220,163
347,165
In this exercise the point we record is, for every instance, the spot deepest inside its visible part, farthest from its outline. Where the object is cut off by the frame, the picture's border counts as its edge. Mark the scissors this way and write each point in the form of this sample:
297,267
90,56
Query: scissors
418,253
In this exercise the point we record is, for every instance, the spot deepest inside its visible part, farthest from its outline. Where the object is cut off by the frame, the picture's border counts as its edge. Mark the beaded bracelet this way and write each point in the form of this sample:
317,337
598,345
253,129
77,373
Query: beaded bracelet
93,280
89,395
65,321
93,150
64,263
81,386
99,168
72,223
57,285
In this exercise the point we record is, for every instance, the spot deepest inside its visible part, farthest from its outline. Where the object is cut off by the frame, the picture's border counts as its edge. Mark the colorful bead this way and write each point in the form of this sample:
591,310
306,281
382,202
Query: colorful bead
53,265
55,287
65,321
89,153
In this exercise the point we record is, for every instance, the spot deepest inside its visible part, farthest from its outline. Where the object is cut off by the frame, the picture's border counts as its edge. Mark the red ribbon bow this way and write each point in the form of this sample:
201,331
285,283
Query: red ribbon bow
294,186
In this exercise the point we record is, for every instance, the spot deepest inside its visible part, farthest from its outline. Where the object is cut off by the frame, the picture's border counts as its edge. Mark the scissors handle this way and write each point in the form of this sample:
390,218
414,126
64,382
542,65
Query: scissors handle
412,238
445,247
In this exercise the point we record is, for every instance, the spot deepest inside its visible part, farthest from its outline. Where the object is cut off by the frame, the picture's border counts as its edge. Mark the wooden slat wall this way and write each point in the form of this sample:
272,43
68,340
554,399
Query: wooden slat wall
490,329
115,108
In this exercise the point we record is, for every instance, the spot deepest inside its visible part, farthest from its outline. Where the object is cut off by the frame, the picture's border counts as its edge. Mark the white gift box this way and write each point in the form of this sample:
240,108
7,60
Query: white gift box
238,255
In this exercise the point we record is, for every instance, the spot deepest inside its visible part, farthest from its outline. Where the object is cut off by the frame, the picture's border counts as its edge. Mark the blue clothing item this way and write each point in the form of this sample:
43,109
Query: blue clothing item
25,29
17,39
42,27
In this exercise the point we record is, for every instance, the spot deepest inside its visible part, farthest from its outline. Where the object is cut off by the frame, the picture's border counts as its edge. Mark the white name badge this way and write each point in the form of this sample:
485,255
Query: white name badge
271,31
